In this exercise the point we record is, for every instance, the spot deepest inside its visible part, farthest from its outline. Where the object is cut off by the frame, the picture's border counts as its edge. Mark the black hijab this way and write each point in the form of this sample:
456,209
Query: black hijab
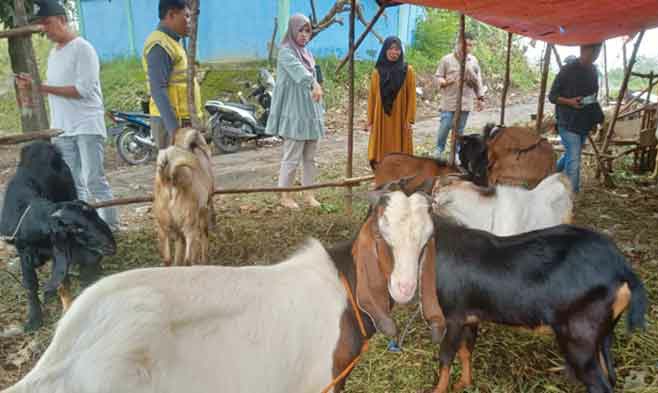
391,74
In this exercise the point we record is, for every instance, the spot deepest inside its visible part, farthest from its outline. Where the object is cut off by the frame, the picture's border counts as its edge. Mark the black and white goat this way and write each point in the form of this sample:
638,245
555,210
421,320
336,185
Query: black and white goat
43,220
284,328
565,279
506,210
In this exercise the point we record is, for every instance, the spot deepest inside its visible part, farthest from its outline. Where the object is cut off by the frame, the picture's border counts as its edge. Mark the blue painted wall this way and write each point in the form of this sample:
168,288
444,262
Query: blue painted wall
235,29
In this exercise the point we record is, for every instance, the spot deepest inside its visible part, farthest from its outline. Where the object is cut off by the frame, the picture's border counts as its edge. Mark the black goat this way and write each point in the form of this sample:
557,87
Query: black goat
565,279
42,219
473,158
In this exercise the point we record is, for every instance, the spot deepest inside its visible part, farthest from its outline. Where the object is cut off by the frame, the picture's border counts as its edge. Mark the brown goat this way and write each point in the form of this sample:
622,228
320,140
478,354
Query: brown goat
396,166
518,156
182,203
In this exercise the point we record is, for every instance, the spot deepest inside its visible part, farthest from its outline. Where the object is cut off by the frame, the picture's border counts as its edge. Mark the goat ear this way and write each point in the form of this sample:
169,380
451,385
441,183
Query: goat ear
371,283
429,302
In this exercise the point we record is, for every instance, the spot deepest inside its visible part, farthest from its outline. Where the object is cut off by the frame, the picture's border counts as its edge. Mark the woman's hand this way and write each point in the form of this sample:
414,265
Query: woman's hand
368,128
317,92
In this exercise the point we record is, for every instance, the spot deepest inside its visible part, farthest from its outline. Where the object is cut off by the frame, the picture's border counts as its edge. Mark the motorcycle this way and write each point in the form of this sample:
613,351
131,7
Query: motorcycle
231,123
132,133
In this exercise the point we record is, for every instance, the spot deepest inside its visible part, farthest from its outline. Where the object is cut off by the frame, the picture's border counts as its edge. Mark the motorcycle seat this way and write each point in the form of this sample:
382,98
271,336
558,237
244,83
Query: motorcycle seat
247,107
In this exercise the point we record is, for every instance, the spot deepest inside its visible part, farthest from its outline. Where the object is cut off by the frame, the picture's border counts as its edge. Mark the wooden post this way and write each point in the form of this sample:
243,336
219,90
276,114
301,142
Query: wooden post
542,89
625,60
23,59
363,35
558,60
620,97
460,93
350,109
191,64
506,85
650,87
270,55
605,74
314,14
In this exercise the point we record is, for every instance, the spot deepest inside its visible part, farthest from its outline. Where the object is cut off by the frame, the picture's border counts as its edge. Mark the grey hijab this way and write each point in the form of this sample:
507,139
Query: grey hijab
295,24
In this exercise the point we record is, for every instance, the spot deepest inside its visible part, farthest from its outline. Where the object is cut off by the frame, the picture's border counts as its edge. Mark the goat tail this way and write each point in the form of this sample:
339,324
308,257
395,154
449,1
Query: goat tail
635,318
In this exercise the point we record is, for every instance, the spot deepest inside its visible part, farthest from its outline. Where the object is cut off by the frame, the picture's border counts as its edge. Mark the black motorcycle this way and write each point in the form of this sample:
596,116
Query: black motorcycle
132,134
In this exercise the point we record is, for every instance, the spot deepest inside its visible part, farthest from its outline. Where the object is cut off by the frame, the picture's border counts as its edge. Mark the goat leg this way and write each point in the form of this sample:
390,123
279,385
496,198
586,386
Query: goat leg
31,284
164,246
429,301
65,296
465,353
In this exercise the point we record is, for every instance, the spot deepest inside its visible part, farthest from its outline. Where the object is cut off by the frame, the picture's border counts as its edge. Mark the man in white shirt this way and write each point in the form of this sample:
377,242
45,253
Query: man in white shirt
76,105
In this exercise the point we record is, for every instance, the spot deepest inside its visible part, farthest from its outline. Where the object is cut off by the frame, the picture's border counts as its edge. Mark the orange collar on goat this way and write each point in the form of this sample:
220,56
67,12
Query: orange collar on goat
362,327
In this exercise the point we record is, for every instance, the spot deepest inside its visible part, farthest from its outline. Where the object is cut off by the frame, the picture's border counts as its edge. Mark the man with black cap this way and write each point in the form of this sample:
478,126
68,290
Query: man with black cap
76,104
165,63
574,93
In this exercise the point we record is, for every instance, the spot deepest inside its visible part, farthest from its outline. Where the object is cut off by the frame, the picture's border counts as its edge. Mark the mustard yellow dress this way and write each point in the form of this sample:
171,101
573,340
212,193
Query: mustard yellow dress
391,134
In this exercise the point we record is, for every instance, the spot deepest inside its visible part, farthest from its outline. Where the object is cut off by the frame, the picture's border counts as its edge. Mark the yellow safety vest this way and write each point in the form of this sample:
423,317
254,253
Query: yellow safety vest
177,90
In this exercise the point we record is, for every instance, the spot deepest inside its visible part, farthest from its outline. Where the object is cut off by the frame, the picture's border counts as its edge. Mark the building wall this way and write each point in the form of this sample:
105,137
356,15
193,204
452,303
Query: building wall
234,29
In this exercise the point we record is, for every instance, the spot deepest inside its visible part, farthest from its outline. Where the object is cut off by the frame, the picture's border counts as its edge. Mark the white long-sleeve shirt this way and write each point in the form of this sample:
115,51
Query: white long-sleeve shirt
76,64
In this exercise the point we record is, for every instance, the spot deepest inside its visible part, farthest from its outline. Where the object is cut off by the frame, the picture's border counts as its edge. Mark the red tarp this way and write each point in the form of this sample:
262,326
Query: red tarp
564,22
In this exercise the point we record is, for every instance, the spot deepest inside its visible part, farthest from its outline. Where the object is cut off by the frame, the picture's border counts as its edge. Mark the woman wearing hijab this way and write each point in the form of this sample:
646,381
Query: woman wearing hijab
391,104
296,112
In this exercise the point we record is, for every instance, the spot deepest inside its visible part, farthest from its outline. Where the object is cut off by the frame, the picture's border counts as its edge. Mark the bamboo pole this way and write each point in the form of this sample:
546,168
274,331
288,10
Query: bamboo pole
270,55
557,57
650,87
620,97
605,73
350,109
506,85
542,89
460,92
149,198
21,31
191,64
363,35
28,137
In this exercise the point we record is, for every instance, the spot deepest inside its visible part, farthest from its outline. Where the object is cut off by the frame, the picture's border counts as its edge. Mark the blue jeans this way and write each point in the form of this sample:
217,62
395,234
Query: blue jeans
445,125
569,162
84,155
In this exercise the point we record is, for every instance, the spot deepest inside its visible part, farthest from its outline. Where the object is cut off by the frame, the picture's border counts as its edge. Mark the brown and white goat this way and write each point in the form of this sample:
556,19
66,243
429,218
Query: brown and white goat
182,203
289,327
396,166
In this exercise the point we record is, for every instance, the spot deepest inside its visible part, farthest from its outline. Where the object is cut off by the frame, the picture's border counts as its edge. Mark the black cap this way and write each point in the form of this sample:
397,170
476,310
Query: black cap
45,8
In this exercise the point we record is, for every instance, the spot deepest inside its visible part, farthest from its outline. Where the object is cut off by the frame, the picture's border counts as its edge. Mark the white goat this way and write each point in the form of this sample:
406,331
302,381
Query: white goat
506,210
284,328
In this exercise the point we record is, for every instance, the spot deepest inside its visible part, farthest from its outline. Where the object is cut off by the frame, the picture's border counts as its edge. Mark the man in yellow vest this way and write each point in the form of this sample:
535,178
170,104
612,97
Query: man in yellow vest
165,63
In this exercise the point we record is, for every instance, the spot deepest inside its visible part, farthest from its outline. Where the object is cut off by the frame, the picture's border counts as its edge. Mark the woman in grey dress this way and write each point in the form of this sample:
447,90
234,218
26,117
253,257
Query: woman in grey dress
297,113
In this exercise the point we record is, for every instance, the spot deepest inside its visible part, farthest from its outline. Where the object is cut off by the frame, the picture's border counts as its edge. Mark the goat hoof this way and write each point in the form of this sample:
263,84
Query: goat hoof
437,333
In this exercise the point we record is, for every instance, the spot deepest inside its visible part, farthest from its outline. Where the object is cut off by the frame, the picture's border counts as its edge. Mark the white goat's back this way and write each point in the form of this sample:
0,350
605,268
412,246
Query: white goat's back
199,329
511,210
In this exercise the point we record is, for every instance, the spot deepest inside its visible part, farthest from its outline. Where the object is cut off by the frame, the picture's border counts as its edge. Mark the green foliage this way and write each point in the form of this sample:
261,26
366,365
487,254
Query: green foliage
336,85
436,36
643,65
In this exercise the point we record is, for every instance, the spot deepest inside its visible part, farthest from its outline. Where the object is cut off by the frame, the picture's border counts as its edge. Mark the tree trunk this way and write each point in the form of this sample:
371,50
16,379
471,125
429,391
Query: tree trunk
21,54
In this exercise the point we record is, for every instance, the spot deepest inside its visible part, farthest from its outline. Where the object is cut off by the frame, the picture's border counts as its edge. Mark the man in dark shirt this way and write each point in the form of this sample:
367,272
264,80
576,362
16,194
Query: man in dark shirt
574,93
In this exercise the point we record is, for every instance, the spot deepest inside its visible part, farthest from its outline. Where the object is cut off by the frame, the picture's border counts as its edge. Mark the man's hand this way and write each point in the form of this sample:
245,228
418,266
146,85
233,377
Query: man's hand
574,102
317,92
444,82
23,80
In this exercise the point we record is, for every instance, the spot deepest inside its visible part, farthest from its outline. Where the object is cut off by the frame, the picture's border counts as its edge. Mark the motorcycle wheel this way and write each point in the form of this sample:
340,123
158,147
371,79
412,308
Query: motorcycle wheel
130,150
226,144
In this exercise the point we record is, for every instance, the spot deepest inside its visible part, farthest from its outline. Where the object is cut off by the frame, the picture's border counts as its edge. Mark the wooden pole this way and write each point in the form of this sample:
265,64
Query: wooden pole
270,55
620,97
350,109
149,198
29,137
191,64
460,92
542,89
34,116
21,31
605,74
363,35
650,87
506,85
557,56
